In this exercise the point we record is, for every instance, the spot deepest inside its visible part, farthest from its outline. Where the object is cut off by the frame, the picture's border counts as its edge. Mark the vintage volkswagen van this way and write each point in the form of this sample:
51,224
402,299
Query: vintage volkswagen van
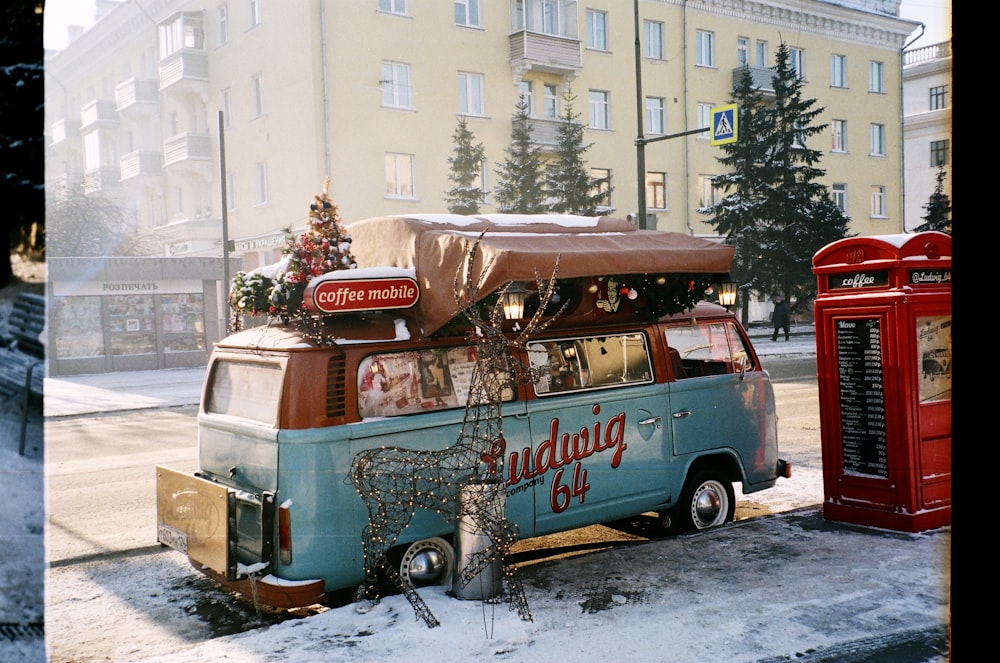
628,411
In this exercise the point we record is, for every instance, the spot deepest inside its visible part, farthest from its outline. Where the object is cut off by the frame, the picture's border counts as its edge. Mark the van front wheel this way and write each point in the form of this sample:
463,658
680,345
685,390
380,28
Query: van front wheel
706,502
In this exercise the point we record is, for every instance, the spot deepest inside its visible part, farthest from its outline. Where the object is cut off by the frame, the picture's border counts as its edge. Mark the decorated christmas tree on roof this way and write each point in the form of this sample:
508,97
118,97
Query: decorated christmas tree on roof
276,290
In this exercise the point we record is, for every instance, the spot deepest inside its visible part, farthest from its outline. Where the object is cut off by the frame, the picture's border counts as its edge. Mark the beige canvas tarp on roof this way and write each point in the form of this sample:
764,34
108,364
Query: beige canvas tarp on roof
522,248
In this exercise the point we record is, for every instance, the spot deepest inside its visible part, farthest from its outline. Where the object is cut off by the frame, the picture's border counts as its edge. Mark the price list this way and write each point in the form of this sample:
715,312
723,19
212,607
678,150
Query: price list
862,398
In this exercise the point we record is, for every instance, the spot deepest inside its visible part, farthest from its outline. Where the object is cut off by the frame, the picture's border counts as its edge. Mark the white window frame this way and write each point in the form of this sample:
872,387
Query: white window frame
657,181
397,86
526,91
839,195
876,77
742,51
550,100
222,24
597,30
797,61
704,48
710,196
254,13
599,106
877,133
400,176
471,95
260,184
468,13
652,43
878,202
603,187
704,119
656,115
760,53
838,129
838,70
256,96
393,7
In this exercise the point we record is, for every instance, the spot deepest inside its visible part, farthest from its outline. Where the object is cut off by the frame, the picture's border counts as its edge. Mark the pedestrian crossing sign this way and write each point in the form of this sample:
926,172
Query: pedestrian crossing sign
725,121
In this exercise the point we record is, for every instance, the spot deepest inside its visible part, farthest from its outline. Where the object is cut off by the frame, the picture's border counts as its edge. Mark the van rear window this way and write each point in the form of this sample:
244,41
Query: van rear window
397,383
249,390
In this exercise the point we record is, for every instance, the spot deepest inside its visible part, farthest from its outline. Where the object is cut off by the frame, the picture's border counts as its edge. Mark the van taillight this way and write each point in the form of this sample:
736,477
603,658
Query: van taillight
284,535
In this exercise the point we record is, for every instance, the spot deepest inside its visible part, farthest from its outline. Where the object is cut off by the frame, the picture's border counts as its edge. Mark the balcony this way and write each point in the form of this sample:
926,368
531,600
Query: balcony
105,178
552,54
762,78
98,114
63,131
187,147
544,133
137,98
185,71
140,163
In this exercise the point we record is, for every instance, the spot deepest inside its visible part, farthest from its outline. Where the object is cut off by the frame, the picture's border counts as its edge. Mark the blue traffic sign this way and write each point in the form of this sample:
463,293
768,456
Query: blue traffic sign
724,126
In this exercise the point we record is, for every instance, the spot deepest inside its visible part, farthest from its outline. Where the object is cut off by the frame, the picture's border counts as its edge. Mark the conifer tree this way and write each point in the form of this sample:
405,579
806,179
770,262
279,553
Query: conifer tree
466,167
567,178
520,178
938,208
775,211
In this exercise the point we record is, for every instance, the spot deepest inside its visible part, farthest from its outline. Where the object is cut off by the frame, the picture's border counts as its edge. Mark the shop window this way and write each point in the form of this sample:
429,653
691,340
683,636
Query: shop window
132,324
78,326
182,322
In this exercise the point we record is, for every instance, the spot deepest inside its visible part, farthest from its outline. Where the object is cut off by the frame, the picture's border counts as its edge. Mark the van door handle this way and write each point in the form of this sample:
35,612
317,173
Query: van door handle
650,421
682,413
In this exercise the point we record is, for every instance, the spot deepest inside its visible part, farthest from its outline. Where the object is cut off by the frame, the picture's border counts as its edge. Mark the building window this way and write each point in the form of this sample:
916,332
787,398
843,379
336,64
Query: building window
704,119
878,140
656,190
470,94
878,201
876,77
656,115
704,48
467,13
260,183
550,100
254,12
760,53
939,97
599,103
838,71
222,25
226,106
601,178
396,88
526,89
939,153
840,196
742,51
399,176
839,128
185,30
652,32
797,61
597,30
256,96
392,6
709,194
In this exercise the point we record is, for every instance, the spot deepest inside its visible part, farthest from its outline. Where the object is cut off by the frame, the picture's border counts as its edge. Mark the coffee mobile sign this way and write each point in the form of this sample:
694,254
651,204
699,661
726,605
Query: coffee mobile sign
336,292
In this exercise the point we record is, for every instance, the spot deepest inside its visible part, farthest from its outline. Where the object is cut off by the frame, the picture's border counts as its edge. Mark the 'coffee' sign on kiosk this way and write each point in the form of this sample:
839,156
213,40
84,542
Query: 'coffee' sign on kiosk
883,342
343,291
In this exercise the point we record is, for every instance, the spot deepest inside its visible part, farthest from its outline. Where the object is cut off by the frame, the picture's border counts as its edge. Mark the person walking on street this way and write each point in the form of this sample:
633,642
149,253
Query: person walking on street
780,317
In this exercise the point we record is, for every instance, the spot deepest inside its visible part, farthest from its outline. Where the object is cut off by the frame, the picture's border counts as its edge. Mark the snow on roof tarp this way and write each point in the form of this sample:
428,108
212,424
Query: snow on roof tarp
519,247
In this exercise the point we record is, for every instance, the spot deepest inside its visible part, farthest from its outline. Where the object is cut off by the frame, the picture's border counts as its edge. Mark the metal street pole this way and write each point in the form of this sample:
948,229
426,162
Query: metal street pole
225,219
640,143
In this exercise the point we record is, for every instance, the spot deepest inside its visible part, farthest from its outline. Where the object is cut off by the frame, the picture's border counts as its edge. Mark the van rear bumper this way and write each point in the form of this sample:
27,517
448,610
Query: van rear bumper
269,590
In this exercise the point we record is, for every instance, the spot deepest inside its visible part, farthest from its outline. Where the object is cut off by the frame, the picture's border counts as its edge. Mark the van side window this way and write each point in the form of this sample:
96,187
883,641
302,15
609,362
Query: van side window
572,364
397,383
709,349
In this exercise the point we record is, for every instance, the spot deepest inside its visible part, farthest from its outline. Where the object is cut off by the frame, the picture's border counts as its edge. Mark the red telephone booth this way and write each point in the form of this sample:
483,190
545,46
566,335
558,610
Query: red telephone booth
883,349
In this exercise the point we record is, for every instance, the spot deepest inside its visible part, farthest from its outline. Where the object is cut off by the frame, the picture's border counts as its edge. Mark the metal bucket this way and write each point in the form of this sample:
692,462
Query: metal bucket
482,501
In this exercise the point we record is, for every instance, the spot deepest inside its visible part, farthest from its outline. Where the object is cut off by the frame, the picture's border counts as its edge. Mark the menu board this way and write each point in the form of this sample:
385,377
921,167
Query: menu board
862,397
